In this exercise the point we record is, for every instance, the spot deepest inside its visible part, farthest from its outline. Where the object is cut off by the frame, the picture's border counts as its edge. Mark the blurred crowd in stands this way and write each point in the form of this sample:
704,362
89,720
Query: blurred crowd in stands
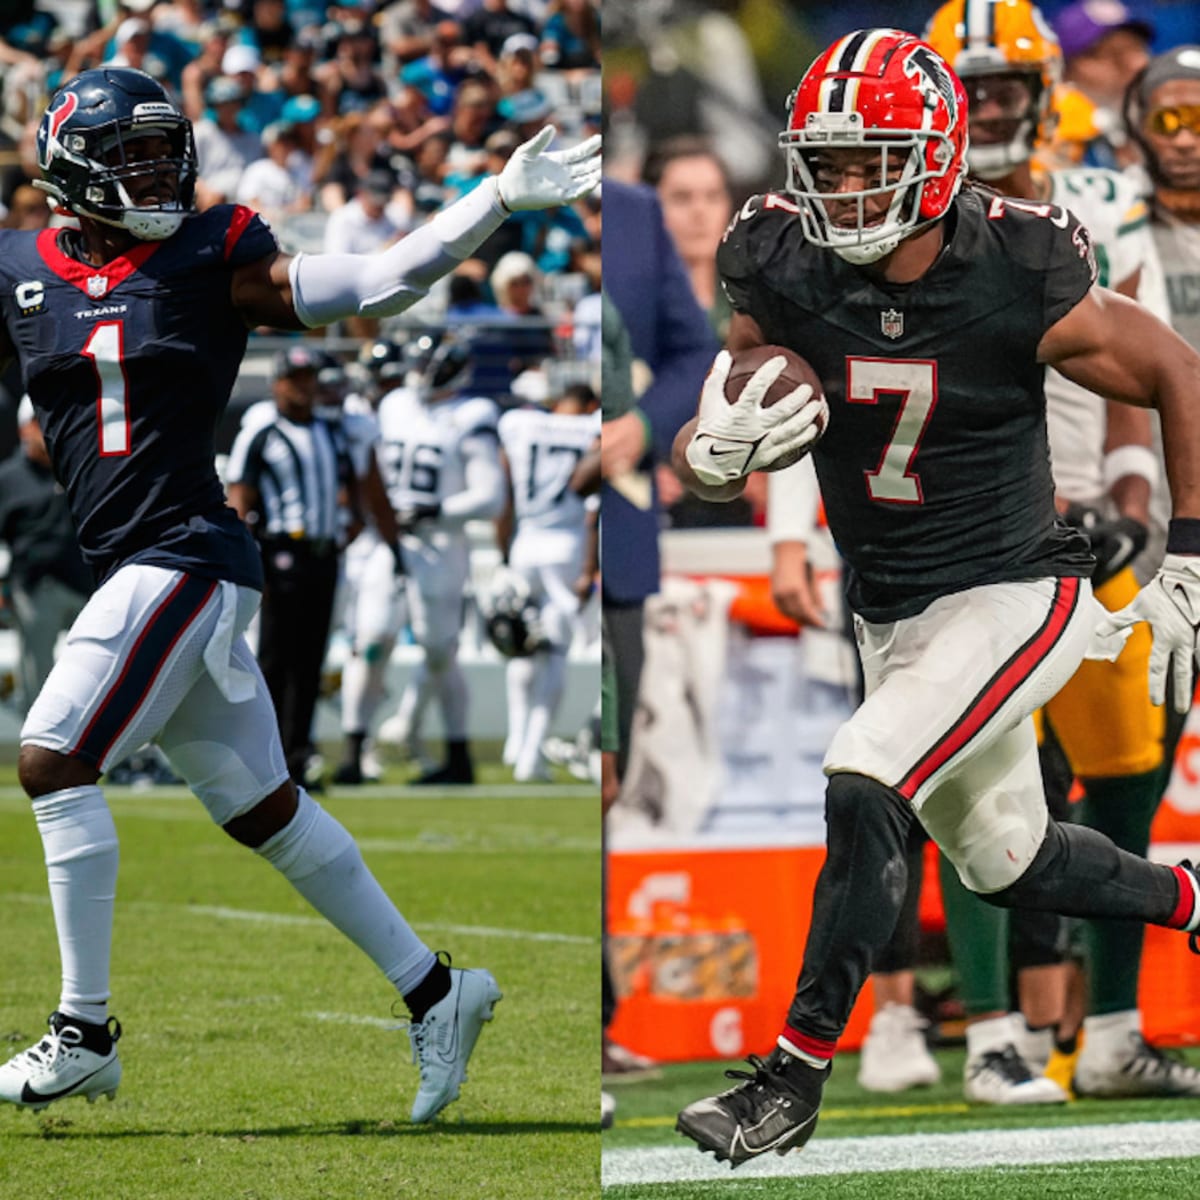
347,125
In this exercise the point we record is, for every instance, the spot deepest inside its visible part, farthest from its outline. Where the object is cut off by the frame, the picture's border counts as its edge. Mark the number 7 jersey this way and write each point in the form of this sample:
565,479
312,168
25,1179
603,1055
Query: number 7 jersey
935,469
129,367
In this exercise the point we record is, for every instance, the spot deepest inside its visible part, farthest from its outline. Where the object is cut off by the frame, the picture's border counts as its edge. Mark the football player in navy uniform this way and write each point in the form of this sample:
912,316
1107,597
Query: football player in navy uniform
929,311
129,333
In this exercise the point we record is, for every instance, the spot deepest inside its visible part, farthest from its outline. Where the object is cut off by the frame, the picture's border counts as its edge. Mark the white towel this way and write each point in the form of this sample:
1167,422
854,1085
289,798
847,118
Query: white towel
236,685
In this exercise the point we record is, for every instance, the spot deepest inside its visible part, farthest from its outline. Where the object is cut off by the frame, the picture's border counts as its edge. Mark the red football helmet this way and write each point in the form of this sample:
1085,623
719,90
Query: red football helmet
888,93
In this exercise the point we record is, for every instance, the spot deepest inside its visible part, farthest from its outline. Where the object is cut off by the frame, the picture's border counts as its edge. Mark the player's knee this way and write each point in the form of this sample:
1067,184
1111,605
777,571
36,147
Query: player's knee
42,771
868,824
439,657
266,818
993,866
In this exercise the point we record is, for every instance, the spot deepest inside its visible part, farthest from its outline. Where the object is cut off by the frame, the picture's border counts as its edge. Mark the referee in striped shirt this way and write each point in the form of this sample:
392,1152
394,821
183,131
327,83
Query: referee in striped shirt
289,473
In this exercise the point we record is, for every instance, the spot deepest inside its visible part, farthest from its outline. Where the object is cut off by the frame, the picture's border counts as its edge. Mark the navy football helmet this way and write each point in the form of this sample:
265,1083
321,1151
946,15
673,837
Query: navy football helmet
83,149
511,616
439,364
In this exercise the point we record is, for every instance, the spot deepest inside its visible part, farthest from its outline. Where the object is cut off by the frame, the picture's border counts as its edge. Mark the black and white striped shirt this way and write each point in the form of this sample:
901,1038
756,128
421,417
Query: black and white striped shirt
296,469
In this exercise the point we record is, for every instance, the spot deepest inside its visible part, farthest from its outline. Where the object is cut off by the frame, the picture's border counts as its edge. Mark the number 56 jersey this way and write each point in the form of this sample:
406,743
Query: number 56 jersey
935,469
129,367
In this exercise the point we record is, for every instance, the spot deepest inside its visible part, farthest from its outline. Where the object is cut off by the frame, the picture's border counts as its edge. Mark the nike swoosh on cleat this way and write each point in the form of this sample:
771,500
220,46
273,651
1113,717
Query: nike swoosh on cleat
29,1096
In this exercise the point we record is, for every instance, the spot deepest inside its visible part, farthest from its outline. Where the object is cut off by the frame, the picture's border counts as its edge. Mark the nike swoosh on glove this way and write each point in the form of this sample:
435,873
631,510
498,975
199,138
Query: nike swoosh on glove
536,178
732,440
1170,605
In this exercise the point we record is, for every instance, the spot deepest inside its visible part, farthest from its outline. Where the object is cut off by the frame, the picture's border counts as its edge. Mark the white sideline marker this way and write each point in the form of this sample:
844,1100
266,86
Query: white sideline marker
914,1152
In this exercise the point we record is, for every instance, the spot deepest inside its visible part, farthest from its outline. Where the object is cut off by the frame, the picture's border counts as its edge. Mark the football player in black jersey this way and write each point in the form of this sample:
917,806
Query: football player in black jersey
129,333
929,311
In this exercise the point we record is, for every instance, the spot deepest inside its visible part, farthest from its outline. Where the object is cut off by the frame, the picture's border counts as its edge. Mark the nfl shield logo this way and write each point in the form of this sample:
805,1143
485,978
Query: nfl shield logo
892,323
97,285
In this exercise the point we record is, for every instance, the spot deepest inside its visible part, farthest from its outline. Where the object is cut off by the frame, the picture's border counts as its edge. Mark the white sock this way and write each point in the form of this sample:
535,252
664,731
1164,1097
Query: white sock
993,1034
812,1060
1108,1034
413,702
80,843
550,675
320,859
518,679
354,694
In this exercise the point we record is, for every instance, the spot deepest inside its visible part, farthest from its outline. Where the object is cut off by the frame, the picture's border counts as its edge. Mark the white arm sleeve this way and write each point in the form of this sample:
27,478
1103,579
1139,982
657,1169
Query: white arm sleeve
330,287
792,499
484,495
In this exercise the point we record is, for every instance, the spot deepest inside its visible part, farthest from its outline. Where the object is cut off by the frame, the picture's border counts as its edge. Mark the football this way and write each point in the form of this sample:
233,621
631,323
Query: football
746,362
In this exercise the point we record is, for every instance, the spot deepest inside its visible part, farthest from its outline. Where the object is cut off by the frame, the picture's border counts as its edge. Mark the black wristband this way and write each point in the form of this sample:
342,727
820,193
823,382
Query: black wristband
1183,535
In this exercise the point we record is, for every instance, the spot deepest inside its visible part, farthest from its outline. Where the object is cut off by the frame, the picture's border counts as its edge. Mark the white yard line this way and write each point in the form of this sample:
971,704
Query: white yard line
256,917
915,1152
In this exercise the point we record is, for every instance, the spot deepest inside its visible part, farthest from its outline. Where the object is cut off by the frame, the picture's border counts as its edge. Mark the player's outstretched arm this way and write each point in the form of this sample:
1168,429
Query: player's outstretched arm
316,289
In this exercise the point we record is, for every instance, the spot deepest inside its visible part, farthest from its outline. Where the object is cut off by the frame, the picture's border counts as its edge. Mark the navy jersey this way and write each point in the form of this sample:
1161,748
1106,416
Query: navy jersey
129,367
935,470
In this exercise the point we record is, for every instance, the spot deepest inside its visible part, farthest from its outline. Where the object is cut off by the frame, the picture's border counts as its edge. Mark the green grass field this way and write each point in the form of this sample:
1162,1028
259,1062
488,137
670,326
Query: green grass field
260,1052
923,1145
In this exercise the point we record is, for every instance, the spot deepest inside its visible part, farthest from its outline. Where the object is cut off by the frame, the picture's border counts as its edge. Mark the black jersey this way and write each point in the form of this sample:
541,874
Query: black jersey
129,367
935,470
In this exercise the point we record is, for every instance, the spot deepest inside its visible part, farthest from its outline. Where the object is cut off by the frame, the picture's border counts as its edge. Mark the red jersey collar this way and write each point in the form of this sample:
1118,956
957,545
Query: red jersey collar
95,282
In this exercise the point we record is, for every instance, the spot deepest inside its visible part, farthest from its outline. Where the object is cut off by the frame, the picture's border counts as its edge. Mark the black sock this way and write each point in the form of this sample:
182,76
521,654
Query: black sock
429,991
354,748
1080,873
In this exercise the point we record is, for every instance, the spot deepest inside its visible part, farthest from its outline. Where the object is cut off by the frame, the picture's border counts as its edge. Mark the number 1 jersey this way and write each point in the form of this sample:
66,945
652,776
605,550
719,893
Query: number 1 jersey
129,367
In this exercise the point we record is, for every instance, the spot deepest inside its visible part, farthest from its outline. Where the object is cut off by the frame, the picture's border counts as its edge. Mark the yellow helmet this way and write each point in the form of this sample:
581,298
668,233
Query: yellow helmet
1010,62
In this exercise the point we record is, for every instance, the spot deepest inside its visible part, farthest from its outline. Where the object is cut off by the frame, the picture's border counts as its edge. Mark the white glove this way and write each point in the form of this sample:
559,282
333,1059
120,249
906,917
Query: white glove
533,179
1170,605
732,440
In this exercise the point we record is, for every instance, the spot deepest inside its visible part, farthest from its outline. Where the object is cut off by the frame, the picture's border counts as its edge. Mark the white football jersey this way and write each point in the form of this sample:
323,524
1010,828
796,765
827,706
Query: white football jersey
1109,204
421,454
543,450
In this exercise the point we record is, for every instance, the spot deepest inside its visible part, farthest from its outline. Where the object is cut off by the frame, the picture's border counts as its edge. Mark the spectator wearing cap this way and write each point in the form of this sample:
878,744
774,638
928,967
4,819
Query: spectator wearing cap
351,82
517,65
262,102
571,36
138,44
288,473
1104,44
223,148
47,581
277,184
514,283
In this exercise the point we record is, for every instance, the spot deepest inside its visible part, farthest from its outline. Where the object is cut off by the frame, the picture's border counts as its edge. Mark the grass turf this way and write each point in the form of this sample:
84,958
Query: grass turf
261,1059
646,1117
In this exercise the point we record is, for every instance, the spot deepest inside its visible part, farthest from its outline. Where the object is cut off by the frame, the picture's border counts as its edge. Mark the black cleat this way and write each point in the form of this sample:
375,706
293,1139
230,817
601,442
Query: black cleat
774,1109
349,774
450,773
